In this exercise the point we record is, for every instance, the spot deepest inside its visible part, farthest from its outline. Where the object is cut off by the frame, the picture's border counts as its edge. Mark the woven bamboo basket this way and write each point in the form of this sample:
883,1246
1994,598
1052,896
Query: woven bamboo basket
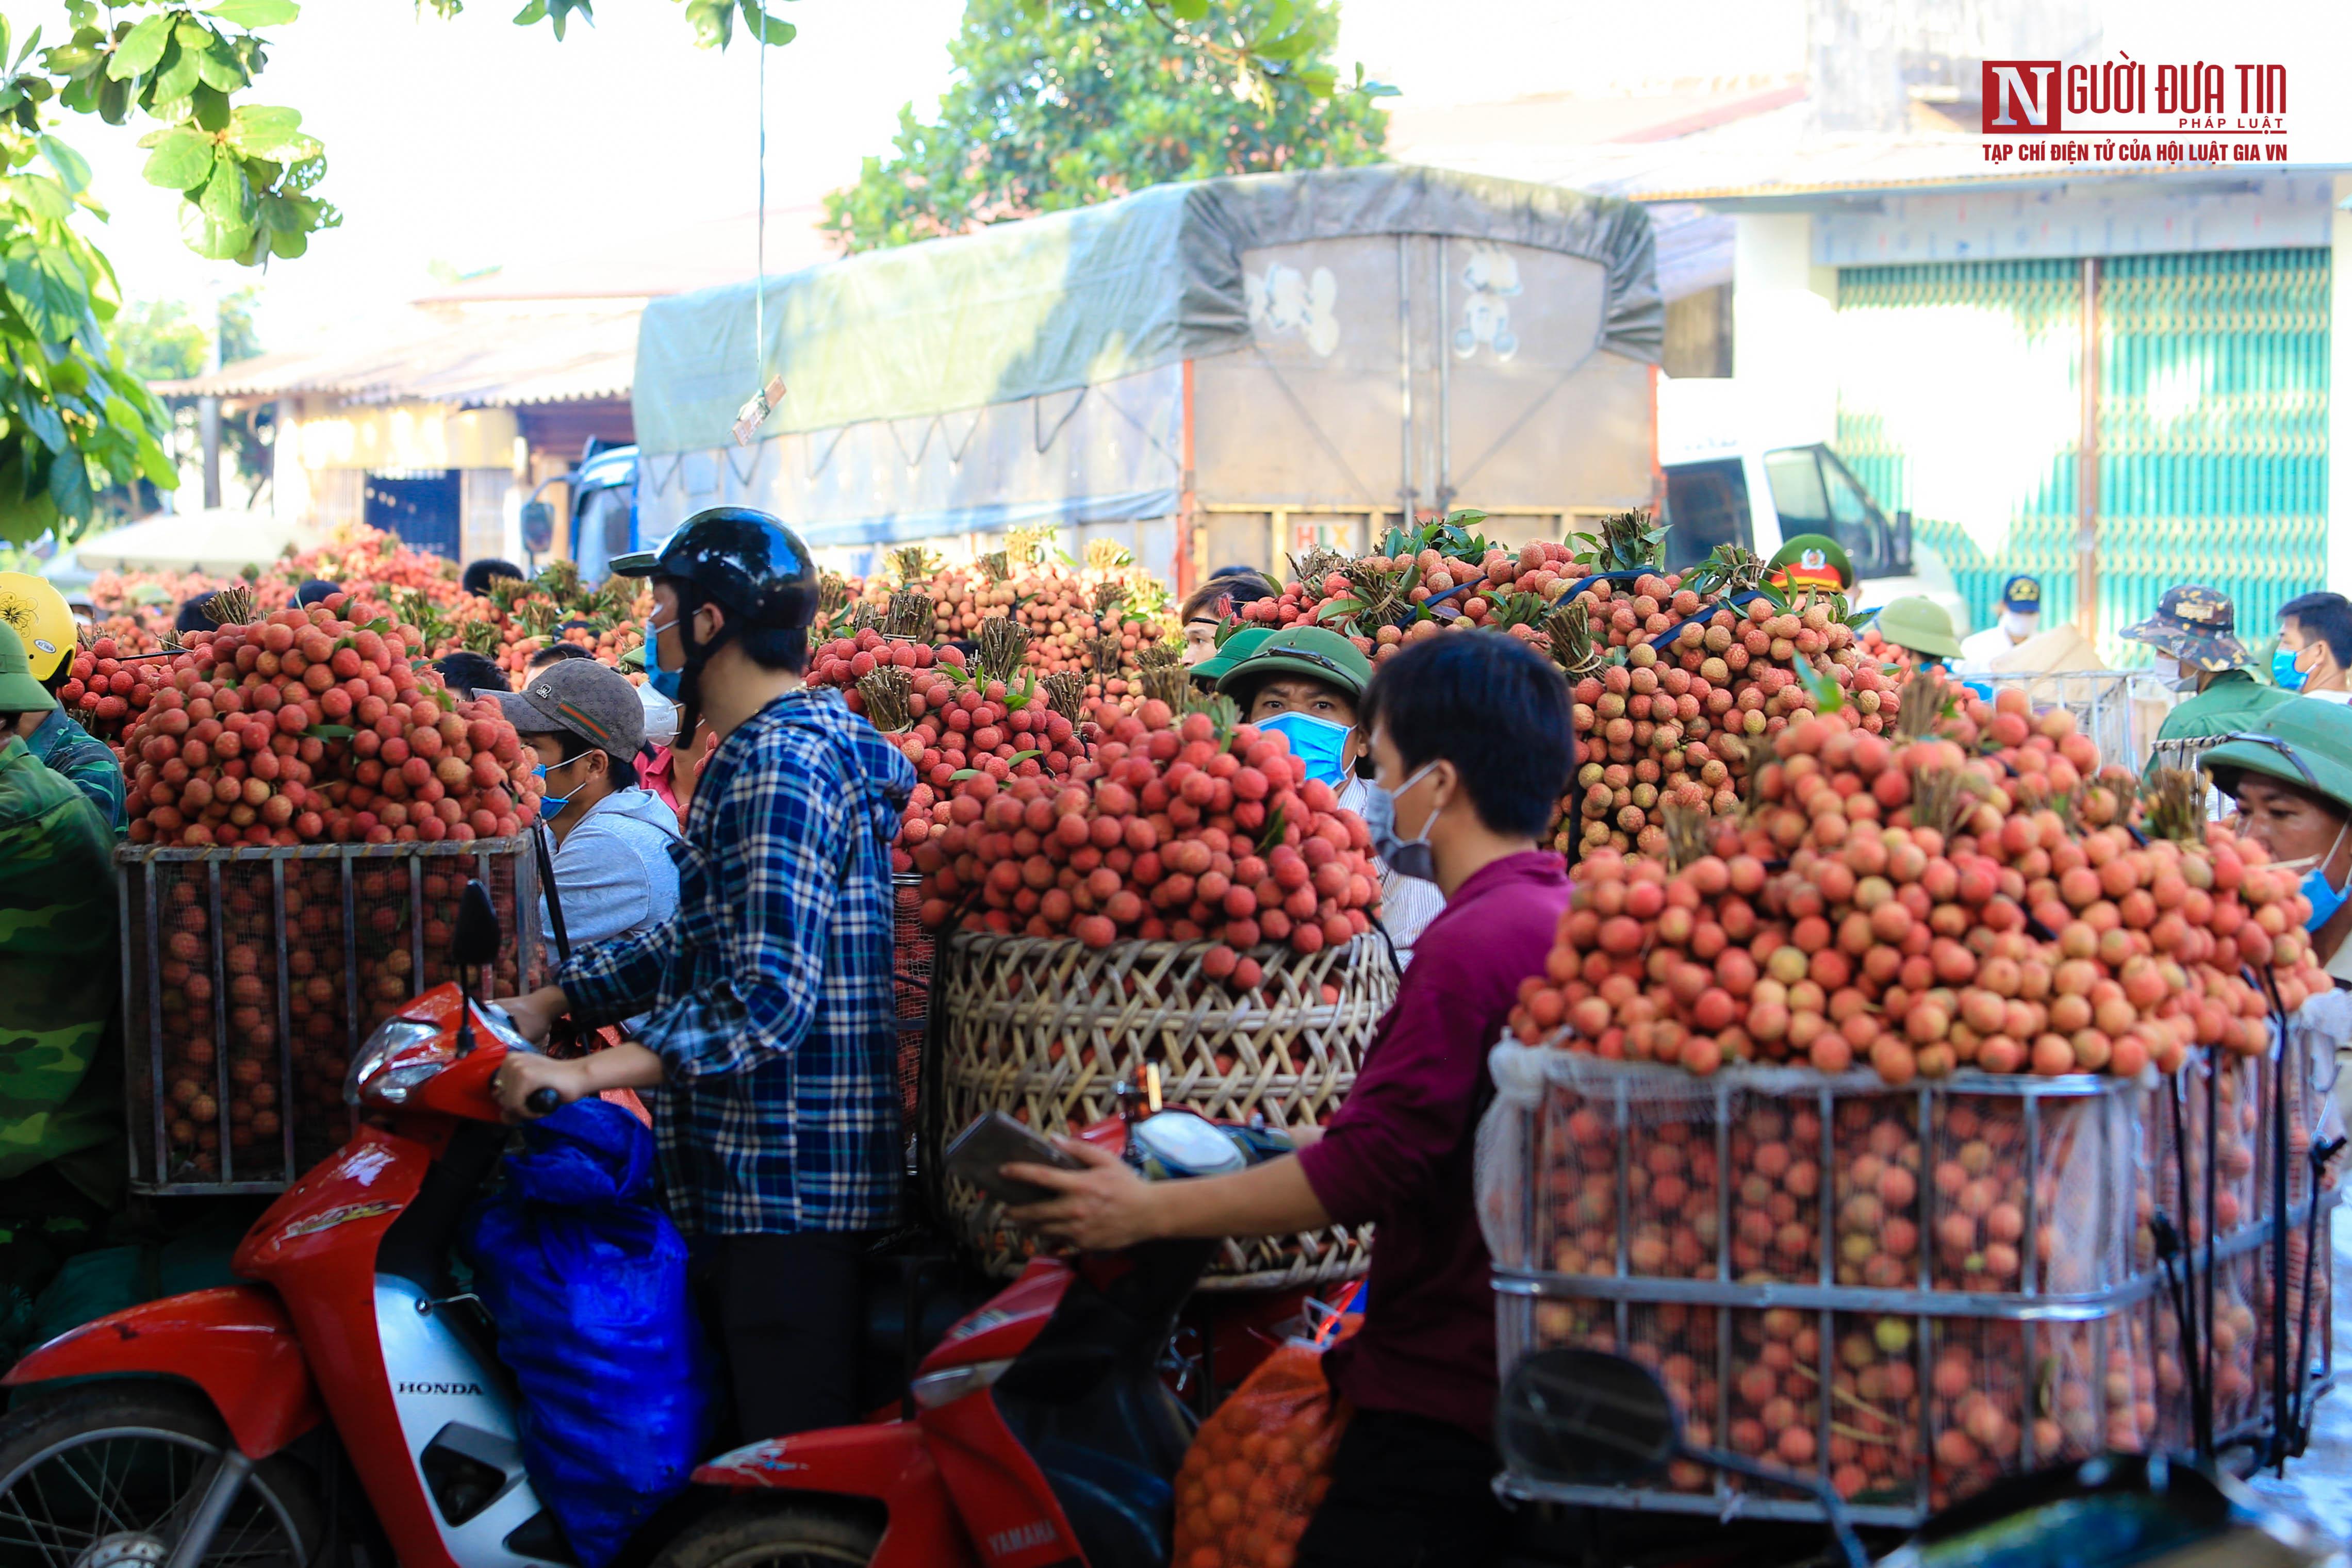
1045,1028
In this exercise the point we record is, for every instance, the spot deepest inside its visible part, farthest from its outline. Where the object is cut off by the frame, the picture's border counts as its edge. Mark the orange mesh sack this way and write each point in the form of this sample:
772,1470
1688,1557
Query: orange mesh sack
1259,1467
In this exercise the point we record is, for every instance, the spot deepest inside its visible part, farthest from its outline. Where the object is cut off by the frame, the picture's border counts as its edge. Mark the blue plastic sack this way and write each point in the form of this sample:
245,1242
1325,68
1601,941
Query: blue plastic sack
587,1283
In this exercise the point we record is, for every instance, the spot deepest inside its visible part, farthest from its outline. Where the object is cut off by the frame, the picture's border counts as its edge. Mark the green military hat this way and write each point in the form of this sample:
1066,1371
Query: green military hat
2303,742
19,692
2197,625
1920,625
1315,651
1813,560
1231,651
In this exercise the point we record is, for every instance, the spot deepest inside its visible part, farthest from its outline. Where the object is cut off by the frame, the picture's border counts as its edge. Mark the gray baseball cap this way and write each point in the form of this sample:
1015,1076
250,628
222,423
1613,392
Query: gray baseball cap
591,701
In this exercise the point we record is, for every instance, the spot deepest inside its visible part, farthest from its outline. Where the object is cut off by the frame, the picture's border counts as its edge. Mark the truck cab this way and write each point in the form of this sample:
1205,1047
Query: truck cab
604,509
1738,473
603,491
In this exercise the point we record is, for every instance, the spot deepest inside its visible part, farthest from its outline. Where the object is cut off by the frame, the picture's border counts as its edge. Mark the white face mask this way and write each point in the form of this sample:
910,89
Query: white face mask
661,715
2019,624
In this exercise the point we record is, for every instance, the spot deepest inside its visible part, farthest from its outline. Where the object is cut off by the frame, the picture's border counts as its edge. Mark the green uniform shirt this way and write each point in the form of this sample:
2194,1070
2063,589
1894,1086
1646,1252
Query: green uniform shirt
2235,701
90,762
58,979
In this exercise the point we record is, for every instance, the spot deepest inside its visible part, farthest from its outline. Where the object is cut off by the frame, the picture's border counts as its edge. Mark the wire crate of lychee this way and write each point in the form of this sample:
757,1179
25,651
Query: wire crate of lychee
1905,1292
250,975
2120,710
1046,1029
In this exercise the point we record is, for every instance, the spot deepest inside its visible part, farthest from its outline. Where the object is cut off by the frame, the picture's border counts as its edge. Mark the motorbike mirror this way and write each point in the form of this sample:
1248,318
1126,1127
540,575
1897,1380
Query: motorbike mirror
1584,1417
538,526
477,936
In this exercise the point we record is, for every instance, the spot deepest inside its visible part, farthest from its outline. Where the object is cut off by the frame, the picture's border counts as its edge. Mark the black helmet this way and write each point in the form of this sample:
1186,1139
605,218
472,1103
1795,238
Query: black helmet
745,561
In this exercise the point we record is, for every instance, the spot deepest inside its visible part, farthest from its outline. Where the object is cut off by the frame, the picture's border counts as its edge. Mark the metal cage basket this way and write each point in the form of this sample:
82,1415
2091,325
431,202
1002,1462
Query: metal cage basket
251,977
1907,1292
2119,709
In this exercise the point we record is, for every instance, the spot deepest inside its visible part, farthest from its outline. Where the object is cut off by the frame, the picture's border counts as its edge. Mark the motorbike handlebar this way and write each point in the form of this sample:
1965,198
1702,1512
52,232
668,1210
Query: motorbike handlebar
540,1102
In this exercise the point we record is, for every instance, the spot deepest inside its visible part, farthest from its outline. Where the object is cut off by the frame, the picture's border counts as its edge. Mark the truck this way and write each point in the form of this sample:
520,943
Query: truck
1217,372
1745,466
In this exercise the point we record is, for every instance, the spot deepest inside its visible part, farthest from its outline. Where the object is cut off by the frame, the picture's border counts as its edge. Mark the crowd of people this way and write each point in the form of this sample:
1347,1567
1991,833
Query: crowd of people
719,899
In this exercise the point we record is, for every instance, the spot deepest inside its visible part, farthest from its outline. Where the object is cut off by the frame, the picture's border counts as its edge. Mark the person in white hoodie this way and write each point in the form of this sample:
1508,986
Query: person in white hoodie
613,872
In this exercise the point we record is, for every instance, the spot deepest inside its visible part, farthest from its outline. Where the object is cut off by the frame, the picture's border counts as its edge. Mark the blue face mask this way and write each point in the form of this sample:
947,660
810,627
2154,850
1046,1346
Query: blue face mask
2324,900
662,680
1320,743
1406,857
2282,671
551,806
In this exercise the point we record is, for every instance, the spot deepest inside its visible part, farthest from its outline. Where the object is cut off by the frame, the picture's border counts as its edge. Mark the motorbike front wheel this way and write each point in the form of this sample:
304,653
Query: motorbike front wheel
787,1537
122,1475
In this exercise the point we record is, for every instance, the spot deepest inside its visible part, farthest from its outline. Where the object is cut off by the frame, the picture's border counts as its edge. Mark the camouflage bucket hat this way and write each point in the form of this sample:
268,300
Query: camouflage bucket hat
2195,624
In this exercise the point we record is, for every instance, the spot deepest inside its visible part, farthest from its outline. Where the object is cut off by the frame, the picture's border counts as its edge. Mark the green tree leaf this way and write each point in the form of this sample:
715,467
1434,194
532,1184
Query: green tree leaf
156,465
73,169
766,26
181,158
69,484
39,195
176,76
220,69
251,13
259,131
211,107
140,47
211,238
1056,106
228,195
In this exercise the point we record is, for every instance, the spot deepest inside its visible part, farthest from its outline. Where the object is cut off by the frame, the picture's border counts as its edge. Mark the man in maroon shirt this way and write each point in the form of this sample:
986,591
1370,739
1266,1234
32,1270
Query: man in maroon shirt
1471,739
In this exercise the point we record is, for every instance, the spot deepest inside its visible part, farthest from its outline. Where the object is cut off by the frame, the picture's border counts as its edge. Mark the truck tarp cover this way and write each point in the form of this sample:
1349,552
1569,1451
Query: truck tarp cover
1080,298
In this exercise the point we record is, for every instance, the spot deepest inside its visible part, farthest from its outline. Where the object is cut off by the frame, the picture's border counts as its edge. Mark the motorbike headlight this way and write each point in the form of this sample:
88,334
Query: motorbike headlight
401,1054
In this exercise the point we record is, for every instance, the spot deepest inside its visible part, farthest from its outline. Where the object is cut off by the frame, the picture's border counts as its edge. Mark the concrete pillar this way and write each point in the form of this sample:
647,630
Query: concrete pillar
2339,394
1783,313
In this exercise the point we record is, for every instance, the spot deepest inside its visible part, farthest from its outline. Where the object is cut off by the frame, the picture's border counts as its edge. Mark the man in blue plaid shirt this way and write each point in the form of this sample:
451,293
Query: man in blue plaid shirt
769,1056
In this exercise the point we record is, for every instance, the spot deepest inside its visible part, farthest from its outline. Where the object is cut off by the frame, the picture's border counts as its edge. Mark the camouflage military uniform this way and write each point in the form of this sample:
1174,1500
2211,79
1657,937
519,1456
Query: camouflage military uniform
2197,625
58,979
90,762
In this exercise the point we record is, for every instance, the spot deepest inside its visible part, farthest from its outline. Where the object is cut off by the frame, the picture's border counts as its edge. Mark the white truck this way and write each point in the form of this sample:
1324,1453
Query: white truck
1741,468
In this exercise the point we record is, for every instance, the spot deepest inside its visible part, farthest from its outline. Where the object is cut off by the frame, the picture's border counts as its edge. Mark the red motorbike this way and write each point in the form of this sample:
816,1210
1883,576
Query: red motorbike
1041,1430
230,1425
189,1429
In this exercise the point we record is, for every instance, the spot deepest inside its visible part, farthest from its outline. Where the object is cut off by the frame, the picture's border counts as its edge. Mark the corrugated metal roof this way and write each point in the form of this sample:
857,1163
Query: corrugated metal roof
1765,151
472,358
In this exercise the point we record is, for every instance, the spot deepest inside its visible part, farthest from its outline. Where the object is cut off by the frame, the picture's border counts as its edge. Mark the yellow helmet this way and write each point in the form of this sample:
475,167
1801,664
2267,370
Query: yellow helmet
42,620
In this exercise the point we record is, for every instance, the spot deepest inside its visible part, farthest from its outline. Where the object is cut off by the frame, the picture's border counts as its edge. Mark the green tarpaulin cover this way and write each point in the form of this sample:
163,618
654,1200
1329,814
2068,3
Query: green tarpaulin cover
1081,298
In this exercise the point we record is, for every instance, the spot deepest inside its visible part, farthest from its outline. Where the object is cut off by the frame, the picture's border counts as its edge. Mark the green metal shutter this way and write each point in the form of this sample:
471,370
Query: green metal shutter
2212,419
2041,303
2212,431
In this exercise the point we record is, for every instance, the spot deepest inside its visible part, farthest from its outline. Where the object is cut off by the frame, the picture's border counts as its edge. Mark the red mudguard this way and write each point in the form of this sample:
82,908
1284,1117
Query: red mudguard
889,1461
233,1343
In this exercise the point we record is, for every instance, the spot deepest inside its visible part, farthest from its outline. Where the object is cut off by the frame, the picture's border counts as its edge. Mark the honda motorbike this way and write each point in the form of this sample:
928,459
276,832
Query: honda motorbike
216,1425
236,1424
